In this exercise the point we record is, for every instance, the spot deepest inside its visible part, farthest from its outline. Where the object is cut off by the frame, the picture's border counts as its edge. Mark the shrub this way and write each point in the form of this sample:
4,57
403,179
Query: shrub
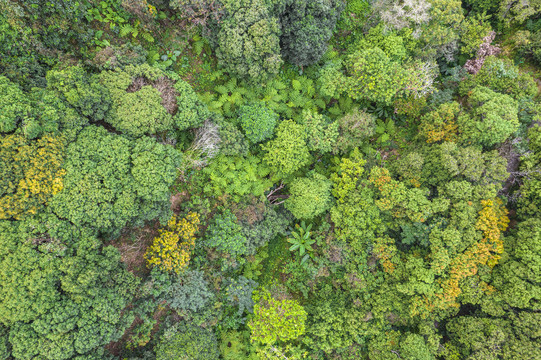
257,121
309,196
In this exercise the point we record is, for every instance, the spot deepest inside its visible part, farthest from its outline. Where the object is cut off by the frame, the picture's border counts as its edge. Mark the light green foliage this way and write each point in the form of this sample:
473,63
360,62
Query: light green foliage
355,215
236,177
502,76
257,121
61,299
187,293
389,42
450,161
276,320
355,128
374,76
443,30
187,341
306,27
112,181
288,152
81,90
493,118
321,132
475,28
226,235
309,196
248,42
236,346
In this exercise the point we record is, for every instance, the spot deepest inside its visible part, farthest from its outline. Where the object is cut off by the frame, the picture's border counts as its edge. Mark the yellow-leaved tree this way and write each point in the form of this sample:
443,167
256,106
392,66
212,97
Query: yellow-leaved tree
171,250
31,172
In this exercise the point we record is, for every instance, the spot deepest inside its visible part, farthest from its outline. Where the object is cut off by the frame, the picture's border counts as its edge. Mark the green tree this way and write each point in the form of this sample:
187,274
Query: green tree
187,342
61,297
257,121
492,119
309,196
226,235
276,319
248,43
112,181
288,152
307,26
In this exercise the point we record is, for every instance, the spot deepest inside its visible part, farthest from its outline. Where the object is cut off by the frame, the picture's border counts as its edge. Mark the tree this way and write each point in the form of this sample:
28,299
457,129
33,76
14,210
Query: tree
354,128
147,100
187,341
112,181
248,43
321,132
61,297
307,26
171,251
493,118
373,76
32,172
226,235
309,196
257,122
288,151
276,320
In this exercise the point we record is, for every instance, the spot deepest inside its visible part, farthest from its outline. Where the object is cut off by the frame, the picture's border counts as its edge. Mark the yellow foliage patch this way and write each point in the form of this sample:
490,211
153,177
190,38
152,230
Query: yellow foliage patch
33,173
171,251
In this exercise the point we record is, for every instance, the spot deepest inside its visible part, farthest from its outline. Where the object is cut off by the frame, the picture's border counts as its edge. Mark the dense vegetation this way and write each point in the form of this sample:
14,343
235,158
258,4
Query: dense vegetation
270,179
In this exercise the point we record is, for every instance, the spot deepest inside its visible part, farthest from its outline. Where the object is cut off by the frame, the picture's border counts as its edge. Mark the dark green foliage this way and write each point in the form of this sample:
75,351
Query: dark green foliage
110,181
259,233
82,91
226,235
530,200
309,196
307,26
187,342
248,40
72,296
257,122
238,292
232,140
187,293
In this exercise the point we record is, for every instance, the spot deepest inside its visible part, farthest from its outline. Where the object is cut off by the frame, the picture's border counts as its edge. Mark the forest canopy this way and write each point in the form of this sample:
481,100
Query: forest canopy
270,179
